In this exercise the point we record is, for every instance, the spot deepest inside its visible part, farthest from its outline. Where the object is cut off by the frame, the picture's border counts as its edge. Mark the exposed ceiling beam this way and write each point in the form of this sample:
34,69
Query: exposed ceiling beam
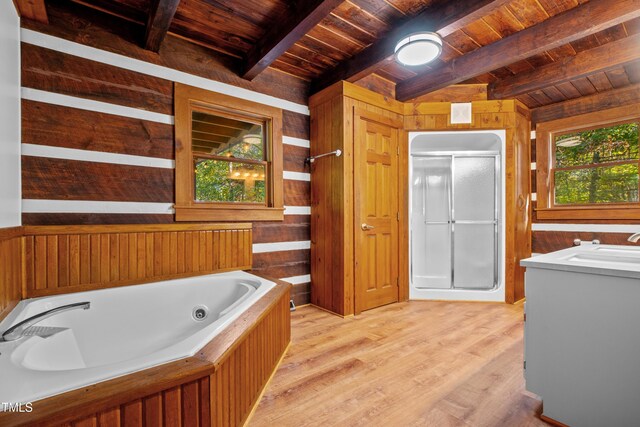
600,59
445,18
32,9
282,35
160,16
588,104
574,24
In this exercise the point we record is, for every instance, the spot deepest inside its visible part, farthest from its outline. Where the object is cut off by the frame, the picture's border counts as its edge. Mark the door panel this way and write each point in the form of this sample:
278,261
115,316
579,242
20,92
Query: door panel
474,256
475,188
376,210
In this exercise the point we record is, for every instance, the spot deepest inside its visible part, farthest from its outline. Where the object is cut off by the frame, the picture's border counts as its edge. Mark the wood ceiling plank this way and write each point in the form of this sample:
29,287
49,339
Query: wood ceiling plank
528,12
566,27
633,71
32,9
633,26
600,101
618,78
282,36
503,22
132,12
569,90
380,9
600,82
317,45
554,7
160,17
361,18
584,86
347,30
445,18
554,94
600,59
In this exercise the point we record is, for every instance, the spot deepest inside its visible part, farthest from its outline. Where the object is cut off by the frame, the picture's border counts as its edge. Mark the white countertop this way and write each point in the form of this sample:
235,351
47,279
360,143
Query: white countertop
608,260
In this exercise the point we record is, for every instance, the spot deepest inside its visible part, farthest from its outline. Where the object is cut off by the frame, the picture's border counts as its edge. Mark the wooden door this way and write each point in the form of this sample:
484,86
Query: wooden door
376,215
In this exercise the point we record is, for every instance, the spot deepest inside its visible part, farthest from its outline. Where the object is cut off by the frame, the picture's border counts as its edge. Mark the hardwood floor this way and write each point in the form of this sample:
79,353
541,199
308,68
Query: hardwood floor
407,364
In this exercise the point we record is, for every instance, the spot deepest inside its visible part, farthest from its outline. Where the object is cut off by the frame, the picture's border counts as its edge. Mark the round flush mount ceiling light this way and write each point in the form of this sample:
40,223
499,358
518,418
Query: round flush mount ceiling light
418,48
570,142
252,138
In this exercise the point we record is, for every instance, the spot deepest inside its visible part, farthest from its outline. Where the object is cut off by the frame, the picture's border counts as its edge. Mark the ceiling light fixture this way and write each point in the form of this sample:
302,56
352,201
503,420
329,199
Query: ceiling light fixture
570,142
252,138
418,48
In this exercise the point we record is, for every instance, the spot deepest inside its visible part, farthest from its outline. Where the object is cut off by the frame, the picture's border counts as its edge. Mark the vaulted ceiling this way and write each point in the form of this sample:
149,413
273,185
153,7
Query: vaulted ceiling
539,51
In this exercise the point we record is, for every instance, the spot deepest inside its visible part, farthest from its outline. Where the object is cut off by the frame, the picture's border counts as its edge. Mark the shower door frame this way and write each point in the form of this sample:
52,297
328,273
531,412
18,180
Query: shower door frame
496,155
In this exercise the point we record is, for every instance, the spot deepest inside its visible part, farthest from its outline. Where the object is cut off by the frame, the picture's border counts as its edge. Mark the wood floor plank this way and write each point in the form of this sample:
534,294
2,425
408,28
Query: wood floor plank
414,363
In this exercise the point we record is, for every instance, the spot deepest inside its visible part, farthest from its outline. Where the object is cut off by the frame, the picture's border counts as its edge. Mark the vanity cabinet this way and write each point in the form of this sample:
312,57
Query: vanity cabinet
582,334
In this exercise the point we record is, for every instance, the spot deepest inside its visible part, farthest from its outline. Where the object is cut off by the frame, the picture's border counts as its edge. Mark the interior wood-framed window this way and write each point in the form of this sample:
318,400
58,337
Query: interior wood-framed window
228,158
588,166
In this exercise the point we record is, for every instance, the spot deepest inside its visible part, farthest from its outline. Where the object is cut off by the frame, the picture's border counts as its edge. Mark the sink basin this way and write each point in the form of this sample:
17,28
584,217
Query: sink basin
611,260
615,257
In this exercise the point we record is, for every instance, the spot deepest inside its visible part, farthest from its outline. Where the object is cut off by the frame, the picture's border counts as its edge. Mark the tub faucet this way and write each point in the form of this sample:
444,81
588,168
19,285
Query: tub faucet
634,238
17,331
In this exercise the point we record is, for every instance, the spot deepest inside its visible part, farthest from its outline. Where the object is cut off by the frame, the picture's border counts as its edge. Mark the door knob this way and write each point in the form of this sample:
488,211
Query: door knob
367,227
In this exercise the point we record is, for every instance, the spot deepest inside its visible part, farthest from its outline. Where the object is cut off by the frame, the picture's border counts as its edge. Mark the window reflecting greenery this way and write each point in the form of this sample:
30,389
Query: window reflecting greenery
223,181
597,166
229,159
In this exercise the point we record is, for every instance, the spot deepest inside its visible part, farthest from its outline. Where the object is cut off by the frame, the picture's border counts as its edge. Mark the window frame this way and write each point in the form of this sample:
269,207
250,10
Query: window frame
189,99
546,132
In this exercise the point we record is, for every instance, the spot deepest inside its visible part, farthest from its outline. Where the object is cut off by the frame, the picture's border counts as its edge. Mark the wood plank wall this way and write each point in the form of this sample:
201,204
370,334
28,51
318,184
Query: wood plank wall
217,387
11,277
66,176
63,259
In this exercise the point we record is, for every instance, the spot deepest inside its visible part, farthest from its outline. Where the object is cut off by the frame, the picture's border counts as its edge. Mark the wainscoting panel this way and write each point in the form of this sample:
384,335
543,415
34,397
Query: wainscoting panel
63,259
11,277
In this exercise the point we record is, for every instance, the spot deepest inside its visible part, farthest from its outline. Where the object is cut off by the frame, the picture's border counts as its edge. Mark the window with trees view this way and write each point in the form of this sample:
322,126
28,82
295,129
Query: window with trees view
596,166
228,158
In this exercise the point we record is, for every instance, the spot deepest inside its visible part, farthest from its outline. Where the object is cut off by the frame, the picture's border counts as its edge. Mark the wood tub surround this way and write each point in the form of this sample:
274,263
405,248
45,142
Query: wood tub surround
11,273
218,386
63,259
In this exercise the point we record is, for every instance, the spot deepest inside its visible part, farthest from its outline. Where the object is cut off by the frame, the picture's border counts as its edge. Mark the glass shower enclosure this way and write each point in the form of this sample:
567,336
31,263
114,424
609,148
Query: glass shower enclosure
455,228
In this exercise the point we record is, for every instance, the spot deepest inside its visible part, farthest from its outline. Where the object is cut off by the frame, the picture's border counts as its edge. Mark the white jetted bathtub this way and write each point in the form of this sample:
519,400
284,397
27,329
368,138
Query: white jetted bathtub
126,329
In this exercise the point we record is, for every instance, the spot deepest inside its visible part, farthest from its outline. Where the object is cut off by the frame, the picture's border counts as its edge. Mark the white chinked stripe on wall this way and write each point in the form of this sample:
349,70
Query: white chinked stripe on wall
87,206
281,246
50,152
289,140
297,210
96,106
121,61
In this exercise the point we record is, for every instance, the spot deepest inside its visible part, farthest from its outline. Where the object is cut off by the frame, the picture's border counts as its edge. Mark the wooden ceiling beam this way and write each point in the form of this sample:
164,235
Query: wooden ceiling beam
161,14
574,24
444,19
32,9
600,59
621,97
282,35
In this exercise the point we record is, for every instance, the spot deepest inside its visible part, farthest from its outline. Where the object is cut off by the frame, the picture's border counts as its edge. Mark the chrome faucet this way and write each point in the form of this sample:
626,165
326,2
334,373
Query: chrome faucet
17,331
634,238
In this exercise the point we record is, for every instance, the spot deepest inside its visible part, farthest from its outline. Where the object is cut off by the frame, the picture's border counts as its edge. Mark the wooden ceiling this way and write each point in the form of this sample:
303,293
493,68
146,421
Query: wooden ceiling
539,51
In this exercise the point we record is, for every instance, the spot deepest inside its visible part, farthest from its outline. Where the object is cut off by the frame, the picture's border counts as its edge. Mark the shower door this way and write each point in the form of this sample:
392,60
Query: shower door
454,220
